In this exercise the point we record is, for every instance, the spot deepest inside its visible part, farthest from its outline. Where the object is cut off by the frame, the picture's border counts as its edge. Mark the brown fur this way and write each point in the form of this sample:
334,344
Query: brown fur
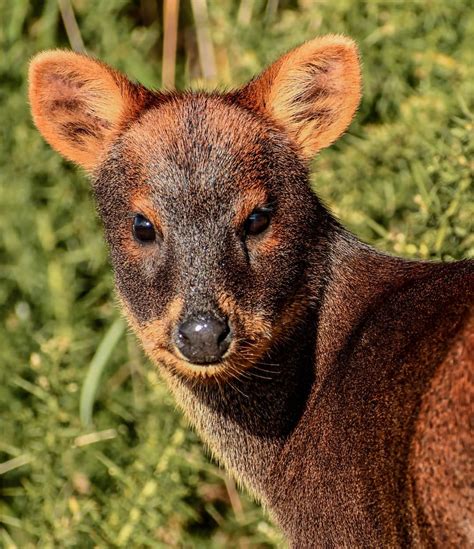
440,486
79,104
314,86
344,399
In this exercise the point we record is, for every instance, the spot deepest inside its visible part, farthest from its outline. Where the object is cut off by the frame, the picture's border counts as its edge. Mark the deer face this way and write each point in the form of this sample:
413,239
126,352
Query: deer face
203,197
206,212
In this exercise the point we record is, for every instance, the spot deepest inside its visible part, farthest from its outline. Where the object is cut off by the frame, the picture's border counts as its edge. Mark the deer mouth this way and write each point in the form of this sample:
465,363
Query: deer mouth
210,344
240,356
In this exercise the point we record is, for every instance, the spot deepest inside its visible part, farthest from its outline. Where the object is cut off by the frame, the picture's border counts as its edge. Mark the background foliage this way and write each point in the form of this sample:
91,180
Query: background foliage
401,178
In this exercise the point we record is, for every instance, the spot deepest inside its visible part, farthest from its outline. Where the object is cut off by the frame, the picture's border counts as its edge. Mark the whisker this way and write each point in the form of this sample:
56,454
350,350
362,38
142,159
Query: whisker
236,388
253,374
274,364
234,372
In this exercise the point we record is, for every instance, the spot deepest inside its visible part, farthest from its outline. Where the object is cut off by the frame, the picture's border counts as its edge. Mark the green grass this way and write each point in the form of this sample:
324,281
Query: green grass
132,473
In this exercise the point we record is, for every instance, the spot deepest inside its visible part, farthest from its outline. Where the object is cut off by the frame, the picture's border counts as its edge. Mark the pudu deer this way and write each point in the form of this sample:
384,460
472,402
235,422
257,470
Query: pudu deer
332,380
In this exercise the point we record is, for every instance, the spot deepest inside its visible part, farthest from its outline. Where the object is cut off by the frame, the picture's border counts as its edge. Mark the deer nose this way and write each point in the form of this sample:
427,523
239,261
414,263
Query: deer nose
203,339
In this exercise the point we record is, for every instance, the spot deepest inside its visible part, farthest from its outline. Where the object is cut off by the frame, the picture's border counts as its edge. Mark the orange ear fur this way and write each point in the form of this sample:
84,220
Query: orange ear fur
312,92
79,104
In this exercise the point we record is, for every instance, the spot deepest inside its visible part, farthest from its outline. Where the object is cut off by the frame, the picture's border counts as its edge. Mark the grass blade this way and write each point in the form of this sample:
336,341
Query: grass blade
72,28
96,367
170,40
204,40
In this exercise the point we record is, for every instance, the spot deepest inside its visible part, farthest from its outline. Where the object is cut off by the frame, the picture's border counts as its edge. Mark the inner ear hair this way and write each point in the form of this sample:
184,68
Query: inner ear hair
312,92
80,104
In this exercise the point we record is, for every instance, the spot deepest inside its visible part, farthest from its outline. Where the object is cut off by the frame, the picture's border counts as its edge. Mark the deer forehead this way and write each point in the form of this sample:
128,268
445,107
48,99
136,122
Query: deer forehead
199,135
198,152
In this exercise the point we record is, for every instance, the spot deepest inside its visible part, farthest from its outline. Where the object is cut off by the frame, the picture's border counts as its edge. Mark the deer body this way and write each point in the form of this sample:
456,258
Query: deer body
331,380
360,431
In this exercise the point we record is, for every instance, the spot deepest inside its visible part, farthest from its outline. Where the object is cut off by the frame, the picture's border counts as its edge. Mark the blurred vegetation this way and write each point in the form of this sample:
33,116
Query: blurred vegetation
401,178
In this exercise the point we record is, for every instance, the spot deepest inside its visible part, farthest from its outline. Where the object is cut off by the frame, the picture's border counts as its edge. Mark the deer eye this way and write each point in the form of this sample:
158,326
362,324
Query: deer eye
143,229
257,222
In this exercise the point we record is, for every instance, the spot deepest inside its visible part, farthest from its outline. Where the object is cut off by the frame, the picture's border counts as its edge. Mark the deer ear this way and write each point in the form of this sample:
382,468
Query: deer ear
312,92
80,105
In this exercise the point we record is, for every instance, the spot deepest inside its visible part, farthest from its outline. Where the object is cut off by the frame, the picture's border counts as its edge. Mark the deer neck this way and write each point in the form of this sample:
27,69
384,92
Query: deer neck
247,421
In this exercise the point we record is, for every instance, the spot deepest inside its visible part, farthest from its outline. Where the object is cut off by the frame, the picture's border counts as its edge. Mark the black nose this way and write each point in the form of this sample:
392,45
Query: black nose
203,339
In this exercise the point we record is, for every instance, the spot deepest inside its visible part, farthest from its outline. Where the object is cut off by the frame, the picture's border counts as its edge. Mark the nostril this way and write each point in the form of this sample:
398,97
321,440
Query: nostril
224,333
224,339
182,334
